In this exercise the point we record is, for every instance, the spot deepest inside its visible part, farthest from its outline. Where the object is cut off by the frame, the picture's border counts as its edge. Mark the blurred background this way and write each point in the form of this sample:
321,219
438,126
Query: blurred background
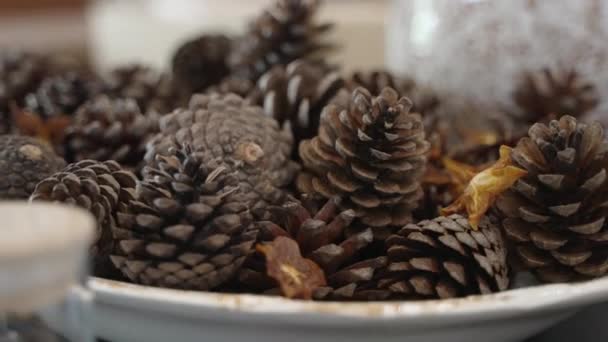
112,32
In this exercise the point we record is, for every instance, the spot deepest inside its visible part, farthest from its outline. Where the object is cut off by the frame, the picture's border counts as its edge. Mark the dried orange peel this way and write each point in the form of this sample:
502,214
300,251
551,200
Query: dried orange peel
483,189
297,277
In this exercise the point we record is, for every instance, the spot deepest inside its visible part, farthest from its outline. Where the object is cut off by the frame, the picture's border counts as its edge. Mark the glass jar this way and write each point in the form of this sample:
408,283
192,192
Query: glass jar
43,253
478,48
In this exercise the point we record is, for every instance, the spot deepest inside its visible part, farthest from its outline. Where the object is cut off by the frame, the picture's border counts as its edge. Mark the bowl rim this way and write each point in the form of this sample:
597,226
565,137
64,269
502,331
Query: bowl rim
503,304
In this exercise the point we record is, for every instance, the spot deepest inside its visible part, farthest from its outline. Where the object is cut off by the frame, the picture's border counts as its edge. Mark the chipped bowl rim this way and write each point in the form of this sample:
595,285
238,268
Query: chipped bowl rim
503,304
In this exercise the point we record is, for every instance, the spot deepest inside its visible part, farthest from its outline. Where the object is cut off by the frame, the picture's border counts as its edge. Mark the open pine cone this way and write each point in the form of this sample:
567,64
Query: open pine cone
322,235
446,258
281,34
546,95
110,129
20,74
102,188
555,216
226,126
153,91
60,94
190,227
371,153
297,93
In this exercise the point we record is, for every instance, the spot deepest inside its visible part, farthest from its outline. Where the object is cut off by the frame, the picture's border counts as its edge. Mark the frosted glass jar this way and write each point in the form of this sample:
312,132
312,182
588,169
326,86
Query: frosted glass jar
149,31
43,253
479,47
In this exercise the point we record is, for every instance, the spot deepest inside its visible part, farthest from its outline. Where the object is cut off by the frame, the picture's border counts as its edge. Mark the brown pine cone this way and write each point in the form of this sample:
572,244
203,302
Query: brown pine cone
190,227
152,90
297,93
322,235
200,63
281,34
372,154
24,162
61,94
548,94
99,187
226,126
555,215
446,258
110,129
425,100
20,73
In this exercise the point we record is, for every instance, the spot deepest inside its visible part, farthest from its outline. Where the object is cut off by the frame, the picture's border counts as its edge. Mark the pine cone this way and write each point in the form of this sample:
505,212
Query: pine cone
372,154
425,100
153,91
190,228
297,93
555,215
445,258
20,74
24,162
547,95
60,94
106,129
283,33
201,62
322,235
227,126
99,187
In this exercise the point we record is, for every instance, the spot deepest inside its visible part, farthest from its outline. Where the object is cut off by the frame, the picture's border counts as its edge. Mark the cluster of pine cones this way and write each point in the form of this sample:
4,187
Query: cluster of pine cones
255,166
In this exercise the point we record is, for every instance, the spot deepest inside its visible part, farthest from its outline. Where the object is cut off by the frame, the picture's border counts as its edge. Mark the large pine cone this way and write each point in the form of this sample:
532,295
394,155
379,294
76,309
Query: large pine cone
281,34
190,228
99,187
24,162
201,62
546,95
152,90
555,216
20,74
297,93
226,126
372,153
446,258
322,235
107,129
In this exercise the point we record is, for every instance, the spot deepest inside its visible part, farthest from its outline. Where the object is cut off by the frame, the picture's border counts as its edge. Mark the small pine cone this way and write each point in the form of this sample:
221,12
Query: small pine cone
60,94
425,100
24,162
110,129
297,93
372,154
20,74
201,62
190,228
321,234
446,258
555,215
153,91
546,95
99,187
281,34
227,126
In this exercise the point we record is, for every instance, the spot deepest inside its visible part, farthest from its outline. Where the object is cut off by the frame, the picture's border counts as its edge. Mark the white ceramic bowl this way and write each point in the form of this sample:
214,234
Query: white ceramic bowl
132,313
